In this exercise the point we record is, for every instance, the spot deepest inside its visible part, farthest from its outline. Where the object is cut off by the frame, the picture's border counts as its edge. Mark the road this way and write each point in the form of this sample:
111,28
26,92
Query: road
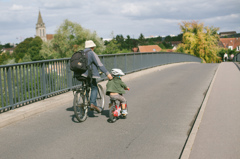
162,107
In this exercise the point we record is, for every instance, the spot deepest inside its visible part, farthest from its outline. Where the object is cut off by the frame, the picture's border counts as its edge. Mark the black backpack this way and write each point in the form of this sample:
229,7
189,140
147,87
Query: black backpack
79,62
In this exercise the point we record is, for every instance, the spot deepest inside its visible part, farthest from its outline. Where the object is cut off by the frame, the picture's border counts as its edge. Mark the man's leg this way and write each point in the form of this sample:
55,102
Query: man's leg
94,92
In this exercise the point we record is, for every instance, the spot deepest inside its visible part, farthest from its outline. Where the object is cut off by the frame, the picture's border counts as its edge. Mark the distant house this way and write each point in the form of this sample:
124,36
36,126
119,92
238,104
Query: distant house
10,50
149,48
175,43
230,43
227,33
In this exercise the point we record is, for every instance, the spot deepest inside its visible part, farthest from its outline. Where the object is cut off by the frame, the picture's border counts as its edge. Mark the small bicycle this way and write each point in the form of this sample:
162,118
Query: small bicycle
115,111
81,101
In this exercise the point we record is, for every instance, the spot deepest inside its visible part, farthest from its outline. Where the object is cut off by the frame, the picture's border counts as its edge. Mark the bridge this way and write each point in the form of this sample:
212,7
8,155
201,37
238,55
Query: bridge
179,110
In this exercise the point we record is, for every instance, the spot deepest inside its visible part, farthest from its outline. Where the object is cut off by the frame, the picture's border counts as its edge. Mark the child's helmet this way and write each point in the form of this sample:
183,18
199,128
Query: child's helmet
117,72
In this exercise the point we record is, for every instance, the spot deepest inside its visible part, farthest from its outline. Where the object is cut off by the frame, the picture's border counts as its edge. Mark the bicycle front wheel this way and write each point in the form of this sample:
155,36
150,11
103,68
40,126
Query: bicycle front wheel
79,107
100,97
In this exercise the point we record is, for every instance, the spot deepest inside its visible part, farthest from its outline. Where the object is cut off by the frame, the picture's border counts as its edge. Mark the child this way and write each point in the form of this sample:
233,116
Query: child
116,87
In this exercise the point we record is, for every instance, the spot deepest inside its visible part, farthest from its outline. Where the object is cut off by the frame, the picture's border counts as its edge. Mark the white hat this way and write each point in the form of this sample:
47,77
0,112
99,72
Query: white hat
89,44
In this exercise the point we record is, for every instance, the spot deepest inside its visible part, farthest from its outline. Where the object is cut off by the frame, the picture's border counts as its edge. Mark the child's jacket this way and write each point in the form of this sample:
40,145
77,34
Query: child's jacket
116,85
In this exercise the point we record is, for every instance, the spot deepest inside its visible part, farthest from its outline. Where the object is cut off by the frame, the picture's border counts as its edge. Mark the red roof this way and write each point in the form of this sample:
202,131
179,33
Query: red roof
234,42
149,48
50,37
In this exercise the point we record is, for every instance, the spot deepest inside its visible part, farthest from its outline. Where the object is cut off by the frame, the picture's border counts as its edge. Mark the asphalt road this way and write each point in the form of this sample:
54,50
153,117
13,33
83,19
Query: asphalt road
162,107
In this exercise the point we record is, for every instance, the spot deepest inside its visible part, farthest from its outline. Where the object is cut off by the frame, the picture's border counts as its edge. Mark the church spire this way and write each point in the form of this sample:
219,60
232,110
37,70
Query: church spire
40,28
40,21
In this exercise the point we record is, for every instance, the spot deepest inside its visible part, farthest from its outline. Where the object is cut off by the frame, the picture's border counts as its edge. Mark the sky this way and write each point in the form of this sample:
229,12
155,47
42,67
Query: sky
18,18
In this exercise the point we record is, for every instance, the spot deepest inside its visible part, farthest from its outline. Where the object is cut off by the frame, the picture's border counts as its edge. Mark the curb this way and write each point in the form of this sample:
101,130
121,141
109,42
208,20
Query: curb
191,138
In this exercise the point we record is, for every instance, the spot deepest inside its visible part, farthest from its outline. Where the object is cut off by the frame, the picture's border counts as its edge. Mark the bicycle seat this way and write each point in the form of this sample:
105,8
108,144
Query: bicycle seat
81,78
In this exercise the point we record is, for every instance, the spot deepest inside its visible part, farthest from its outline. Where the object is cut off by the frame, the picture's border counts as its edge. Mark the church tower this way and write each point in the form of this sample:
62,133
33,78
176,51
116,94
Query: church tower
40,28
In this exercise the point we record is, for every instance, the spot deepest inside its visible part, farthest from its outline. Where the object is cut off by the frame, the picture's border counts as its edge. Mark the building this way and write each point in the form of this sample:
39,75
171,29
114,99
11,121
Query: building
41,29
222,34
10,50
230,43
149,48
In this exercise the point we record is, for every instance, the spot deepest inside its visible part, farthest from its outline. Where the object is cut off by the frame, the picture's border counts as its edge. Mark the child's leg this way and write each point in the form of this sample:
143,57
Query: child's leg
123,106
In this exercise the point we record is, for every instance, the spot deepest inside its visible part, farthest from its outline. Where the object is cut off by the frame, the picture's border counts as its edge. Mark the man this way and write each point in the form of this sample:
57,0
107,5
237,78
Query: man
225,57
95,63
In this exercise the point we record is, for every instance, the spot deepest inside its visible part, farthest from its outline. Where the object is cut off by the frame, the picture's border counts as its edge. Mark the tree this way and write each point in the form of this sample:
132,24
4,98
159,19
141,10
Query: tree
34,49
200,41
141,39
112,47
29,48
168,38
69,38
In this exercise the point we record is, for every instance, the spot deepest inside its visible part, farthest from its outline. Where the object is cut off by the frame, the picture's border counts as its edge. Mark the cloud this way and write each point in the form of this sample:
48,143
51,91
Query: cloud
133,9
152,17
16,7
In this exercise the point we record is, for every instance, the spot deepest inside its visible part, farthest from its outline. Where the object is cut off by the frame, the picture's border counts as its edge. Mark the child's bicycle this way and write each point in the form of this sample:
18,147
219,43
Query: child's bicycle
115,111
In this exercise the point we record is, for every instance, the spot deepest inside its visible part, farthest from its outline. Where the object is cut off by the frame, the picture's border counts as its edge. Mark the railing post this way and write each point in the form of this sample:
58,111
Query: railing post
1,88
43,80
69,75
115,61
134,62
9,81
125,57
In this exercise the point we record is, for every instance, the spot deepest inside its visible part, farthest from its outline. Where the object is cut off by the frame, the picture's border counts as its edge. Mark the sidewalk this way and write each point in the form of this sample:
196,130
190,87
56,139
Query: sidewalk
218,136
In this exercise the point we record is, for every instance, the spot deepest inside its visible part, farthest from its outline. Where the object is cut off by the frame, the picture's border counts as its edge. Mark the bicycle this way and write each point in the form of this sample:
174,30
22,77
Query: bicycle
115,111
81,101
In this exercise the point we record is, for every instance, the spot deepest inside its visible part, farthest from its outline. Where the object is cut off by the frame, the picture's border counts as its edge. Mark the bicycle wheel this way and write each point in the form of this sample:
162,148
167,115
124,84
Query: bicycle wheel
111,114
80,109
100,97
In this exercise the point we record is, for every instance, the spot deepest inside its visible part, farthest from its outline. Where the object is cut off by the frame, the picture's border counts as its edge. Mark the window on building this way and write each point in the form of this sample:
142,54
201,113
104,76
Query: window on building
238,48
230,47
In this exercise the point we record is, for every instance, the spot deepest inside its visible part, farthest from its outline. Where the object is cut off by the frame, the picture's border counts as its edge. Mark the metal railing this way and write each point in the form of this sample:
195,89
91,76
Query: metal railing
237,57
25,83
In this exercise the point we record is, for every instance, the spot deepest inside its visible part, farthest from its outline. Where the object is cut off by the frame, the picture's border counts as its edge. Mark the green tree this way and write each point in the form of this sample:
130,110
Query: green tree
29,48
112,47
70,37
168,38
130,43
162,46
200,41
34,49
141,39
120,40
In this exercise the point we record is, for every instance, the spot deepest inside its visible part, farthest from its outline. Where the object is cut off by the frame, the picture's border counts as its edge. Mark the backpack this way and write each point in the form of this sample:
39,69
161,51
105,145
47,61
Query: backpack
79,62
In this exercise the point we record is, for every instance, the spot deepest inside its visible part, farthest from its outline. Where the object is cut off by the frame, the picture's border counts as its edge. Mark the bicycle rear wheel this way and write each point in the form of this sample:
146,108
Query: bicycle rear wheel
79,107
100,97
111,114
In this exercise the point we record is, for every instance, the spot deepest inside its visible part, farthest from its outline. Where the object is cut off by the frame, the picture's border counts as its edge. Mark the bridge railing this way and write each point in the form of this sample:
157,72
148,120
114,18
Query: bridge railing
25,83
237,57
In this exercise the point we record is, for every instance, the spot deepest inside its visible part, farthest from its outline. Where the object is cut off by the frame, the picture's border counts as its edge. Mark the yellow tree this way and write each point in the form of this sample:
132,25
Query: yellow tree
200,41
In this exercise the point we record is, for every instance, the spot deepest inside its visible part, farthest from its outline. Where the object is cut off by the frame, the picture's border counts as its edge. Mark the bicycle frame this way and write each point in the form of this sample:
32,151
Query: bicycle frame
118,111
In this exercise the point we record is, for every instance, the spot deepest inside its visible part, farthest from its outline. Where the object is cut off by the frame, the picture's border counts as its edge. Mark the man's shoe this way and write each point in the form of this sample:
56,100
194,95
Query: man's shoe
93,107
